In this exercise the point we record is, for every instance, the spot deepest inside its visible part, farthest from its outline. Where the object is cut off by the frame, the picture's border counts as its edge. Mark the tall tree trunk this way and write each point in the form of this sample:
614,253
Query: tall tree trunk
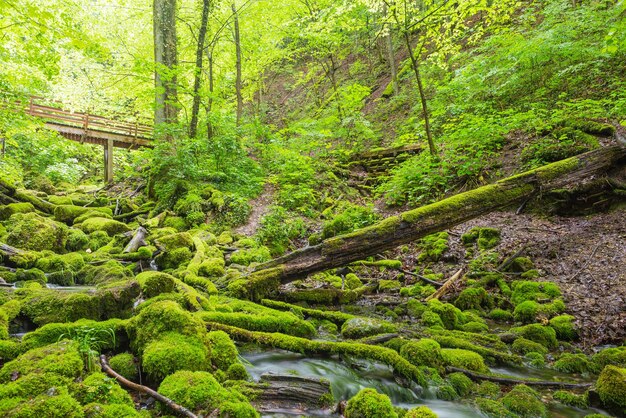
209,108
238,64
193,124
420,87
165,57
391,59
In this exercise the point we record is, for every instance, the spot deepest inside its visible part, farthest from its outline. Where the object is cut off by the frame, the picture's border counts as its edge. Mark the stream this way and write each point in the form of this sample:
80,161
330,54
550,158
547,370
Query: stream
346,381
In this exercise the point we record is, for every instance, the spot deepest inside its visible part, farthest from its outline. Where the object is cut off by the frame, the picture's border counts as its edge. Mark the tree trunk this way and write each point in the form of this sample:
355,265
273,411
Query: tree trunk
209,108
165,57
195,108
412,225
391,59
420,88
237,64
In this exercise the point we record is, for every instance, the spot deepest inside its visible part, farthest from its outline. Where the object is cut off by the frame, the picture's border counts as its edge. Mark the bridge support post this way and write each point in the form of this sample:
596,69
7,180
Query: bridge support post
108,161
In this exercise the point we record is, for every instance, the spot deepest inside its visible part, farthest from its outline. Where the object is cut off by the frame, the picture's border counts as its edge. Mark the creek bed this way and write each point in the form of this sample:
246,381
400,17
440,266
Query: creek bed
346,381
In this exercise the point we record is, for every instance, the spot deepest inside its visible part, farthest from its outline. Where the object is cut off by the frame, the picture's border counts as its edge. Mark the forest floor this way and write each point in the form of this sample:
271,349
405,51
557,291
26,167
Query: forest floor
260,207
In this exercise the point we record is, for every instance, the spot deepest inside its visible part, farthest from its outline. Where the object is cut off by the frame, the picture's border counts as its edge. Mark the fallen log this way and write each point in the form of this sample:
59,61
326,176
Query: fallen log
477,377
417,223
284,391
144,389
138,240
8,251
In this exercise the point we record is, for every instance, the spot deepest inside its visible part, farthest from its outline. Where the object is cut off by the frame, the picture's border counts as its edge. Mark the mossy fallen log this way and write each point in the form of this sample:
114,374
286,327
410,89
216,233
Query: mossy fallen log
417,223
379,354
478,377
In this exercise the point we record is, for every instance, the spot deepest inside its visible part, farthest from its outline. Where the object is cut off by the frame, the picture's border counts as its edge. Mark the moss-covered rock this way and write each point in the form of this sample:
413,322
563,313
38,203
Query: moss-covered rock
33,232
525,402
153,283
212,267
370,404
99,388
433,247
462,384
68,213
526,290
524,346
420,412
571,399
77,240
365,327
125,365
493,408
464,359
109,272
96,410
486,238
501,315
615,356
611,386
11,209
252,255
201,393
55,406
538,333
473,298
424,352
62,359
110,226
171,352
564,327
174,259
223,351
573,363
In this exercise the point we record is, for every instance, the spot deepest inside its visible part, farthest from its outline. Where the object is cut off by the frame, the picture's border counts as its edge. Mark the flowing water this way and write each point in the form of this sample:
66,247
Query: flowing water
347,379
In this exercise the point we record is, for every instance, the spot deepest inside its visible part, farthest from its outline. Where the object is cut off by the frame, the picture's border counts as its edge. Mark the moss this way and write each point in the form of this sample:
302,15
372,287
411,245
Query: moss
526,312
159,318
525,402
535,359
175,241
543,335
333,316
424,352
433,247
450,315
524,346
109,272
611,387
501,315
461,384
464,359
493,409
46,306
110,226
258,285
33,384
388,285
420,412
172,352
72,262
92,214
96,410
124,364
212,267
34,274
527,290
472,298
252,255
200,392
62,359
389,264
56,406
356,328
237,371
615,356
52,333
77,240
476,327
564,327
32,232
488,389
100,388
571,399
68,213
11,209
446,392
431,319
520,265
153,283
486,238
223,351
572,363
368,403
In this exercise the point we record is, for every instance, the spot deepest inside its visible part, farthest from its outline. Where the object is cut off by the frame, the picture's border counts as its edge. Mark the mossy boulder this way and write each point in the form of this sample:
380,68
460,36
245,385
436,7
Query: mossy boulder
465,359
573,363
175,241
202,393
571,399
49,406
493,408
125,365
525,402
62,359
33,232
223,351
370,404
99,388
524,346
153,283
564,327
174,259
68,213
615,356
212,267
172,352
77,240
420,412
11,209
365,327
245,257
611,387
528,290
485,238
538,333
424,352
110,226
109,272
473,298
501,315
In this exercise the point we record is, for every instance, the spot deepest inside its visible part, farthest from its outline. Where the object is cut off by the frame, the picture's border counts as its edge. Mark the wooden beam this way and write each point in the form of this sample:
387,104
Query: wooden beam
108,161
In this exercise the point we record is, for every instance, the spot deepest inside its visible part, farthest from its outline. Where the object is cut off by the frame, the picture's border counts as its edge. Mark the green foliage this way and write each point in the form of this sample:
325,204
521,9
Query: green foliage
278,229
348,218
560,144
90,343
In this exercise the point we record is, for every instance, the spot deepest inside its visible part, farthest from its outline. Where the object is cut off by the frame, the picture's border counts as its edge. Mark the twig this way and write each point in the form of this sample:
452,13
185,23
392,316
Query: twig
144,389
443,289
586,262
511,381
509,260
424,279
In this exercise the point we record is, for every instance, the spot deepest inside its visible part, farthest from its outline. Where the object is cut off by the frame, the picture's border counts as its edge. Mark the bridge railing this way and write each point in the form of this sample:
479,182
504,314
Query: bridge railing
37,107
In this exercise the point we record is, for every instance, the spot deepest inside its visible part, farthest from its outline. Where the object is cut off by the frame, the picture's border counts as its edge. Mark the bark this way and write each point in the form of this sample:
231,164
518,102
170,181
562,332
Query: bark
209,124
165,57
284,391
8,251
510,381
144,389
447,285
412,225
195,108
391,59
237,64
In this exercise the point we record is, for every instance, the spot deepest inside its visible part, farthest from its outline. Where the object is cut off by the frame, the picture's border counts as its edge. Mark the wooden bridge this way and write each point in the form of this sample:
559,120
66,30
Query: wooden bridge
89,129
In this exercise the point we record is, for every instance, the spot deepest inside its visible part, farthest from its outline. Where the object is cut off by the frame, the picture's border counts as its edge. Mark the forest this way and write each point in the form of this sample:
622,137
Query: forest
313,208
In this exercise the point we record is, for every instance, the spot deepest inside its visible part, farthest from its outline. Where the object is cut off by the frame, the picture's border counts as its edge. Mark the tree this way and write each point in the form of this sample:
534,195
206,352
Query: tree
237,38
166,60
193,124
